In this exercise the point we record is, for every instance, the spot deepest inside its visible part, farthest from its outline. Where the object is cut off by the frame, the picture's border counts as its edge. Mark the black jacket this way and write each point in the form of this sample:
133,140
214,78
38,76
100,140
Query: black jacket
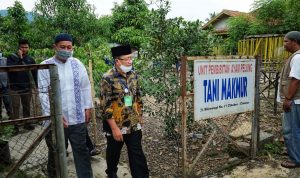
20,81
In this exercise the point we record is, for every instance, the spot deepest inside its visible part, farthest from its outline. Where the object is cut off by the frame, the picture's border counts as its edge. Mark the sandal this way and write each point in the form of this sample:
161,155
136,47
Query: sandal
289,164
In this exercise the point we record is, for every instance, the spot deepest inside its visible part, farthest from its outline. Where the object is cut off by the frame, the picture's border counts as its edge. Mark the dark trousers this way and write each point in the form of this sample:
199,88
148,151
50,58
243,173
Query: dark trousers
76,134
89,142
18,98
6,100
137,159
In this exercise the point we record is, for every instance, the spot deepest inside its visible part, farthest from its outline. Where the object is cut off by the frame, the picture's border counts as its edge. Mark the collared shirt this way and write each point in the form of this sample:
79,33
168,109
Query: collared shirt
75,89
114,87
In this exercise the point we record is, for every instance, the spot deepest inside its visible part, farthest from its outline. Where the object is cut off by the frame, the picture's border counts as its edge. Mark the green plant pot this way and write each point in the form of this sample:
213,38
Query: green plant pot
5,157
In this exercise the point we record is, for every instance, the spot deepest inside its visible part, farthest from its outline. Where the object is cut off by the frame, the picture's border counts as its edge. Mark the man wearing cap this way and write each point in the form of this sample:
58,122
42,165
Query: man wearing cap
122,114
76,103
289,92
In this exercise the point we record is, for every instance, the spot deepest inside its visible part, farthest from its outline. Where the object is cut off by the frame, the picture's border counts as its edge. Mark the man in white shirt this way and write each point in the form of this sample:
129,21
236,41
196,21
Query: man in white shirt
289,92
76,103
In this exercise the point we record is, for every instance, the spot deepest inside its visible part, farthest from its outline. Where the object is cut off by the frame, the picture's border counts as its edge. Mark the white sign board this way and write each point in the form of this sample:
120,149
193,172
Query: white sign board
223,87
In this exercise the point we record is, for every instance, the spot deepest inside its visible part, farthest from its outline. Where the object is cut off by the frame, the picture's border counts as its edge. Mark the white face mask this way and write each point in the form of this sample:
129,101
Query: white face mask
125,69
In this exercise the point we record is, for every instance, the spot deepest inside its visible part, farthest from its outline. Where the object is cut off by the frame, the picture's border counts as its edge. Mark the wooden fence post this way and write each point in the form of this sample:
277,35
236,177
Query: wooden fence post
183,115
57,114
255,120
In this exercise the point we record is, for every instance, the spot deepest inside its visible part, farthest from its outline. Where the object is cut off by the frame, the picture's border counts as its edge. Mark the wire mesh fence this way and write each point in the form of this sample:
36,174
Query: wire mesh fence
21,147
23,151
219,143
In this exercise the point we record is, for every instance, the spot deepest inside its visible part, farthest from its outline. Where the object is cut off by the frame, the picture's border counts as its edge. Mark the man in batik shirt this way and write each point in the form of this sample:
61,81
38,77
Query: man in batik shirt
122,114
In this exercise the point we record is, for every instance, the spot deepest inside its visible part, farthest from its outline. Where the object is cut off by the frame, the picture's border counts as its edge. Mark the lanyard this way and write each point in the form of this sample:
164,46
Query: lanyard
124,84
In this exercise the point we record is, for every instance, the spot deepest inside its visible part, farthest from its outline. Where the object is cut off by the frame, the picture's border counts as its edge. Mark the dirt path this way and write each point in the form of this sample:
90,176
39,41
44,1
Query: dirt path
259,171
98,166
20,143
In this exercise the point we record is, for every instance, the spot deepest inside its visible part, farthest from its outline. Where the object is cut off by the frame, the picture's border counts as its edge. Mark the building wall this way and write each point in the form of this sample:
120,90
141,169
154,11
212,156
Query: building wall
221,24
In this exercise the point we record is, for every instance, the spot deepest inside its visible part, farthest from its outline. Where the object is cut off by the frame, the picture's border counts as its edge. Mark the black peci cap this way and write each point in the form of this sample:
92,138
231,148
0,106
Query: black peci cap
120,50
63,37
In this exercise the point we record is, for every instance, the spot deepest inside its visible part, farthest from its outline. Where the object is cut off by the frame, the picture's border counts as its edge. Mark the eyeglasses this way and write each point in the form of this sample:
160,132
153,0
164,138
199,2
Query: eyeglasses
126,59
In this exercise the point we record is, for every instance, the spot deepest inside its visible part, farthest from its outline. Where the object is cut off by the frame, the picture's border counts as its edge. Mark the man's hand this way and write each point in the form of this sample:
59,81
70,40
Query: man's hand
142,121
286,105
65,123
117,134
292,90
87,115
20,54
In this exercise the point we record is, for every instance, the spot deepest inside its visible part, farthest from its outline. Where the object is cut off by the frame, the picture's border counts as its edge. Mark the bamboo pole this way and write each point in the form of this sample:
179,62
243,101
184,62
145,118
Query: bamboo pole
93,96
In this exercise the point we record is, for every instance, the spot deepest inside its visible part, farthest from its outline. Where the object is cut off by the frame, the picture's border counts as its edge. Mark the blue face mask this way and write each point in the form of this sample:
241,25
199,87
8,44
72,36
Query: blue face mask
64,54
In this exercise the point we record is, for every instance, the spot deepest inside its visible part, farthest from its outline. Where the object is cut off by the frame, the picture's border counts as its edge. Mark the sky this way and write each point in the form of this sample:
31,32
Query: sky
188,9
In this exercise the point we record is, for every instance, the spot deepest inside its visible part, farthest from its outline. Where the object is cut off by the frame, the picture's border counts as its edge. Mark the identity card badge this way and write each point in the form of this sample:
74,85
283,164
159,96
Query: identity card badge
128,100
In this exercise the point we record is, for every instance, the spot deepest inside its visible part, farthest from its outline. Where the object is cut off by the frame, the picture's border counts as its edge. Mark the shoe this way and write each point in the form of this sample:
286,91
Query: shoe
289,164
28,127
113,175
94,152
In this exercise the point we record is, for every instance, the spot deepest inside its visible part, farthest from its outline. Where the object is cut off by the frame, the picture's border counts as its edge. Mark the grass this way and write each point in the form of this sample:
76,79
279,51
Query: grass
274,148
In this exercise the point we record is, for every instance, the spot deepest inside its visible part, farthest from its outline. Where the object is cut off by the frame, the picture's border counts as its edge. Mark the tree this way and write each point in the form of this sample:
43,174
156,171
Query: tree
169,39
130,13
211,16
129,20
3,44
106,27
238,29
14,26
292,16
271,14
72,16
268,17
